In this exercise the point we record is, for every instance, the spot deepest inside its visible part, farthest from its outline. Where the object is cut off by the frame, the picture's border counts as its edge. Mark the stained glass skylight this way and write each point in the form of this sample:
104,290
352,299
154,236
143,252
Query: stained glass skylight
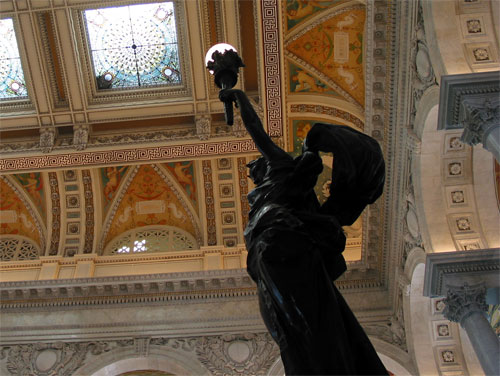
134,45
12,84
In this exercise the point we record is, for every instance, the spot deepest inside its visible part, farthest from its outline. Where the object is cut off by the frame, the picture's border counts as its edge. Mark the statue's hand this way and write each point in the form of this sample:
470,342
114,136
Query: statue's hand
230,95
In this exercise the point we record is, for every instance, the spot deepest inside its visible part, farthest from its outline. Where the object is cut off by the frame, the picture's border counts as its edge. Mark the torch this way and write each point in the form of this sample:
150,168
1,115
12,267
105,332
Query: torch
223,62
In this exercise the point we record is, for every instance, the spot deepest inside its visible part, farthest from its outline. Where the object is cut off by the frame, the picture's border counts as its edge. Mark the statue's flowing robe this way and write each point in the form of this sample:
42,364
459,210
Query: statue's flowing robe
295,253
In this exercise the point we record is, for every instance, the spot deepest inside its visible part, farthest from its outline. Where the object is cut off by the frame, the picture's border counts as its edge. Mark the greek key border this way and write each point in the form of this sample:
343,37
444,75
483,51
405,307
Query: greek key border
272,69
96,158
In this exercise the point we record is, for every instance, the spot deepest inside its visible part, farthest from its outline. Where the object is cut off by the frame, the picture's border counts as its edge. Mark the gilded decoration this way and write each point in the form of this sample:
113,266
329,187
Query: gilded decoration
301,81
15,217
149,200
111,178
335,48
300,10
32,184
184,174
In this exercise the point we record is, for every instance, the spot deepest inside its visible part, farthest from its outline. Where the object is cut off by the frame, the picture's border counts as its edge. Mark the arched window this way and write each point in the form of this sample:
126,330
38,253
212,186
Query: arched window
16,247
151,239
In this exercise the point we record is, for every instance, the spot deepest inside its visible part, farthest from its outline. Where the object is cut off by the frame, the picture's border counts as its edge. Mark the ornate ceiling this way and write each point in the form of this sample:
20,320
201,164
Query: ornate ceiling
84,170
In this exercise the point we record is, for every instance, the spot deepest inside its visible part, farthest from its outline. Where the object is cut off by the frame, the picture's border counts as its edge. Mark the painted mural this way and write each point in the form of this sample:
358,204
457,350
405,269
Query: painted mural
184,174
335,47
299,10
15,218
148,201
303,82
111,178
32,183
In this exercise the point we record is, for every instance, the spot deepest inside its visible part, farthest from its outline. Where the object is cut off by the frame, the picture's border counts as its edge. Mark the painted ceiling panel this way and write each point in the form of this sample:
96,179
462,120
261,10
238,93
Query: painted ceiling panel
298,11
15,217
302,81
335,48
149,200
184,174
33,185
111,178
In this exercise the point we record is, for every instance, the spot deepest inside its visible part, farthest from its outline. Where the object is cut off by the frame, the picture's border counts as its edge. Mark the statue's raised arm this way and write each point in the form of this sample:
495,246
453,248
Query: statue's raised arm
264,143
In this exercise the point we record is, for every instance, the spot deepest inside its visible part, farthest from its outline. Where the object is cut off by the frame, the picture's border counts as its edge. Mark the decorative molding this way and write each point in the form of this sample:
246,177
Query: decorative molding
56,214
209,202
460,88
89,211
456,268
203,123
235,354
120,290
422,72
327,110
243,183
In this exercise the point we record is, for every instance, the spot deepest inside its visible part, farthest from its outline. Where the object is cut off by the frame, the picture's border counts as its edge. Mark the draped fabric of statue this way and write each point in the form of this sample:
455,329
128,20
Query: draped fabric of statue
295,245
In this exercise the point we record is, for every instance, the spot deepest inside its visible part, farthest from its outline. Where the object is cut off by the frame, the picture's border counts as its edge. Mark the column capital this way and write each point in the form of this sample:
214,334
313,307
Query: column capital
480,116
461,301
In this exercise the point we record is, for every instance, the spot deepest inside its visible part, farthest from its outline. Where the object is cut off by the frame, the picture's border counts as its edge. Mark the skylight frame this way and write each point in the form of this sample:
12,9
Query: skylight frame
164,93
23,103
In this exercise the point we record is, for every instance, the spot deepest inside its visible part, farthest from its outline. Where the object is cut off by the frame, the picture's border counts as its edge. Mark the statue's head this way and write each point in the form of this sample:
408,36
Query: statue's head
258,169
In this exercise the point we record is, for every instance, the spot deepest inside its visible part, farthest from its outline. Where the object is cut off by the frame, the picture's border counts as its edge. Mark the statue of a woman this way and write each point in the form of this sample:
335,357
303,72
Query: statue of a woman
295,244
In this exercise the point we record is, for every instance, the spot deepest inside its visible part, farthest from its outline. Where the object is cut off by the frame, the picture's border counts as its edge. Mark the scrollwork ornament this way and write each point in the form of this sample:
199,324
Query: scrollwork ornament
423,75
47,139
59,358
462,301
203,123
259,352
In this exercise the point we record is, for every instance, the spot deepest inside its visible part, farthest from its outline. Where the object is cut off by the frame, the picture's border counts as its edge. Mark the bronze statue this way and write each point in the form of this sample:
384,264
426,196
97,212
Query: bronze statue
295,244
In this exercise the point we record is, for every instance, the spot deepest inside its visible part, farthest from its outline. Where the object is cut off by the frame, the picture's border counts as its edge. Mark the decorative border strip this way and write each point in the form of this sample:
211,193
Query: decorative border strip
89,211
96,158
56,214
209,202
243,182
330,111
271,47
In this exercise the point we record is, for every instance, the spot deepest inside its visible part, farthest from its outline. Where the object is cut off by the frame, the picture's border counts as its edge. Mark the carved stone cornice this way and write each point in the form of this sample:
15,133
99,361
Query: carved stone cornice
154,288
460,88
461,301
456,268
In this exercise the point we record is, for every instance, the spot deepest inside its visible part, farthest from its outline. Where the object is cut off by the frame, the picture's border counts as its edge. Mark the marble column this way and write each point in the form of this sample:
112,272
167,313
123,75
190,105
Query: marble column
482,124
466,305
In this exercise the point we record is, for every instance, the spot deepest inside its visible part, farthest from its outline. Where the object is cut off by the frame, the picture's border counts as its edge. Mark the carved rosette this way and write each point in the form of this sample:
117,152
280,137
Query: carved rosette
464,300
